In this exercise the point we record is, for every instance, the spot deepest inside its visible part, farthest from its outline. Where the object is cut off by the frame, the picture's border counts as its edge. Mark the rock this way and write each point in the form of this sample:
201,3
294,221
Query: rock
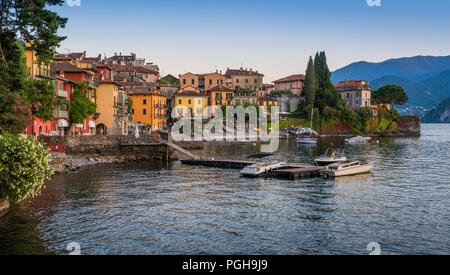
4,206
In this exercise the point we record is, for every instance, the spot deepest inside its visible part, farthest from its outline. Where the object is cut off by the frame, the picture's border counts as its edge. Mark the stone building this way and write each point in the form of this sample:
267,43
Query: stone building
357,93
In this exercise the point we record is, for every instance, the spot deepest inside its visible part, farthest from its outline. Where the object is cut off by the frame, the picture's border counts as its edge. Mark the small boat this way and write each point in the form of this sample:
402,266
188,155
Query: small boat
347,168
260,169
331,156
358,140
309,140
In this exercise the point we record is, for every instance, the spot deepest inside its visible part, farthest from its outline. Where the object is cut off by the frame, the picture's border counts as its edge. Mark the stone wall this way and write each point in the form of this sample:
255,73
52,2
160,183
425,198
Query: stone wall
144,148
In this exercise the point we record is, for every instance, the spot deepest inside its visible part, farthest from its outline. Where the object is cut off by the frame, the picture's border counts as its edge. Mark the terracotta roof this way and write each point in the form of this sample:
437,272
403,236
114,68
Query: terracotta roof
191,94
242,72
76,55
145,70
66,67
62,58
352,85
143,92
219,88
291,78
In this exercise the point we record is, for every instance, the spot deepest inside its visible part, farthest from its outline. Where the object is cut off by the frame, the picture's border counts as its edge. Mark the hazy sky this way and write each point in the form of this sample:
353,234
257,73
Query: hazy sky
274,37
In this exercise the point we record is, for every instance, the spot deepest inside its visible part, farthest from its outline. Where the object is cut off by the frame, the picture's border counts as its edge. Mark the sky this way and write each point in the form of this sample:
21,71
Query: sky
273,37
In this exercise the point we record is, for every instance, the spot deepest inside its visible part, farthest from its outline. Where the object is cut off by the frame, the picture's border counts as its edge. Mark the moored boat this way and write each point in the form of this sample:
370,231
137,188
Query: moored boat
260,169
347,168
331,156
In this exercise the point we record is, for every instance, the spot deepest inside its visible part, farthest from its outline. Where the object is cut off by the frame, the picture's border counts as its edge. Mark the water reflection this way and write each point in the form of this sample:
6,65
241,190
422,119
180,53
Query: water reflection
170,208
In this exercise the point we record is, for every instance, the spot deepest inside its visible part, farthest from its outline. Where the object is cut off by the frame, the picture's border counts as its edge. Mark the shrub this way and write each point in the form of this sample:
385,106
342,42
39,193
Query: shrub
24,166
14,114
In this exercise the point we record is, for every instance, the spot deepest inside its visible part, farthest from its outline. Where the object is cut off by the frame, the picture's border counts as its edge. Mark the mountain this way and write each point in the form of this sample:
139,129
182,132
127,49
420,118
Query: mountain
439,115
416,68
423,95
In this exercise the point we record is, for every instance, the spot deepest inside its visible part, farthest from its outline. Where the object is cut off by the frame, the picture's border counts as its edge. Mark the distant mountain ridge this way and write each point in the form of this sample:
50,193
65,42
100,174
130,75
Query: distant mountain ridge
439,115
415,68
426,79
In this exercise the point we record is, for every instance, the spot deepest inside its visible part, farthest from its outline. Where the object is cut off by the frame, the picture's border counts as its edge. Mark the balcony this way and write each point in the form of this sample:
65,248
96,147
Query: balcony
61,114
62,93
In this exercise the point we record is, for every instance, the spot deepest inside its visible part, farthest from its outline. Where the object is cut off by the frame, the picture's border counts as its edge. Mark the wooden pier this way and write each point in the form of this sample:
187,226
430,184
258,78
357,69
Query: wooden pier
291,172
219,163
298,173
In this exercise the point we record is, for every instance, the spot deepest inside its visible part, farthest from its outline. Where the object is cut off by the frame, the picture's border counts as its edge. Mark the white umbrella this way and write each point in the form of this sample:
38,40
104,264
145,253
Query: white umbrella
136,133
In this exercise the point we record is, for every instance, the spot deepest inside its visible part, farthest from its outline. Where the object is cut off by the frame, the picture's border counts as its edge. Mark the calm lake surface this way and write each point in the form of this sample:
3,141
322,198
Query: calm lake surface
176,209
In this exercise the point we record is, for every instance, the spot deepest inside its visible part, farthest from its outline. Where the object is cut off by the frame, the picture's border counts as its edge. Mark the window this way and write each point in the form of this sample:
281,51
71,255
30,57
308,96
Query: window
200,101
237,80
184,81
367,103
144,102
199,111
246,81
193,81
256,81
219,82
132,111
348,95
179,101
190,101
210,82
144,111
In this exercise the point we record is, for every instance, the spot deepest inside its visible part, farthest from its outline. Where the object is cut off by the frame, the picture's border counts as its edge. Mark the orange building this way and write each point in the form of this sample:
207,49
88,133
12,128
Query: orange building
219,95
149,108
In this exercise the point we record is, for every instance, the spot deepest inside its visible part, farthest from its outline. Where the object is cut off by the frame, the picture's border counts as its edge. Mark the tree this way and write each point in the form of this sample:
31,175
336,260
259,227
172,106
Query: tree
40,95
14,78
326,94
391,94
311,83
81,107
30,21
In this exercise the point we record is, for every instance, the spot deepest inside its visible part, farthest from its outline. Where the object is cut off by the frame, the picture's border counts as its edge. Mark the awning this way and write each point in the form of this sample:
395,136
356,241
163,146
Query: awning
79,125
62,123
91,124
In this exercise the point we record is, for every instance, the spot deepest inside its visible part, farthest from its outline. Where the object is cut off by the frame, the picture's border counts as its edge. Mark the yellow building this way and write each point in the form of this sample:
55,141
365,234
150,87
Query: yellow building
112,109
36,69
149,108
195,102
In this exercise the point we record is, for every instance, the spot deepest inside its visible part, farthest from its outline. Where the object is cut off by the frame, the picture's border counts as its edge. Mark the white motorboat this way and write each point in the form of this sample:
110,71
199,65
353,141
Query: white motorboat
358,140
260,169
331,156
347,168
307,141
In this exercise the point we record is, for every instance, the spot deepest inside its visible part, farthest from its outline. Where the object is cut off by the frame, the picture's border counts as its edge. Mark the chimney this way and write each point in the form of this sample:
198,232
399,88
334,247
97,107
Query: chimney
251,70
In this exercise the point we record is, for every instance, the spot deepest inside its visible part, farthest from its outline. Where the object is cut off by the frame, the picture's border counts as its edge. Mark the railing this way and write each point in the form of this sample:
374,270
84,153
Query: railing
60,114
62,93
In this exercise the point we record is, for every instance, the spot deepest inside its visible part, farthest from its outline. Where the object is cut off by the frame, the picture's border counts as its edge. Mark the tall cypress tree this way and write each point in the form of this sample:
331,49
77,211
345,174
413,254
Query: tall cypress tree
327,94
311,84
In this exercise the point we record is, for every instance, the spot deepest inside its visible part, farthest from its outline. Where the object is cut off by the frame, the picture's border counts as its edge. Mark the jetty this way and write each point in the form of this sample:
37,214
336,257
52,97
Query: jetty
290,172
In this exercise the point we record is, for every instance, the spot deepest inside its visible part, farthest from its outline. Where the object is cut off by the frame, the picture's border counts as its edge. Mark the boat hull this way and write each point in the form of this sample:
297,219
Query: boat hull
350,171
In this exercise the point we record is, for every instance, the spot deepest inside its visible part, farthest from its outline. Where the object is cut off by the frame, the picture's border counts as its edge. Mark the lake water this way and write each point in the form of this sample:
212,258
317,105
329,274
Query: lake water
176,209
